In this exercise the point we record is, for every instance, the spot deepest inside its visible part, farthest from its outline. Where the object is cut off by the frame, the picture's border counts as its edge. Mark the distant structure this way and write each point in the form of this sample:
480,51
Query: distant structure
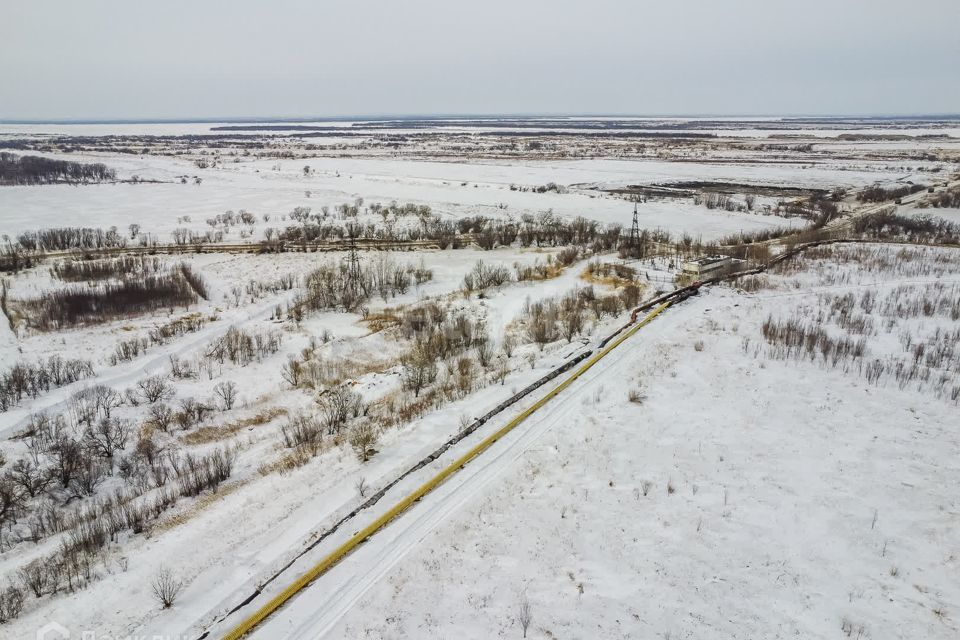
354,282
634,248
706,265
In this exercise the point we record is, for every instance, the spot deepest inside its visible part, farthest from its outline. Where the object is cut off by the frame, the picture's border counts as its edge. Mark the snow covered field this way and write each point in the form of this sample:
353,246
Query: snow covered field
450,189
271,181
739,496
715,476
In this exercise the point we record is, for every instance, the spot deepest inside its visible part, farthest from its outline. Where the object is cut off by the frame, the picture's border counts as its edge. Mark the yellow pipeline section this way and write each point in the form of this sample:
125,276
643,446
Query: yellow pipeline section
344,549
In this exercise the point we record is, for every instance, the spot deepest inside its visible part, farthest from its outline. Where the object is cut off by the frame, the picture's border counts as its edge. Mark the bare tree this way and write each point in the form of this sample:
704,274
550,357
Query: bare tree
166,587
35,577
106,399
292,372
362,438
362,487
630,296
572,323
524,614
339,405
155,388
161,416
107,436
484,351
509,344
12,500
11,603
542,326
502,370
419,369
67,458
28,476
227,392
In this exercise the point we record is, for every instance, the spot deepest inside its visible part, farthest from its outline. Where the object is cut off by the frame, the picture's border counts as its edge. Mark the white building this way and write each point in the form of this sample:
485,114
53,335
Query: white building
705,266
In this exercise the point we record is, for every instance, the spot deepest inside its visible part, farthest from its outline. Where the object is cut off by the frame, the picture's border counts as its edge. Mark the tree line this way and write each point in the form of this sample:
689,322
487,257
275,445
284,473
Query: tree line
32,170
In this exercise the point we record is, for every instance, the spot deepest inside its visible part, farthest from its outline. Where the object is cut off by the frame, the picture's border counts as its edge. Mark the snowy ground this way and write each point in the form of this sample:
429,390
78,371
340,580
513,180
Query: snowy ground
450,189
453,185
199,538
742,497
738,495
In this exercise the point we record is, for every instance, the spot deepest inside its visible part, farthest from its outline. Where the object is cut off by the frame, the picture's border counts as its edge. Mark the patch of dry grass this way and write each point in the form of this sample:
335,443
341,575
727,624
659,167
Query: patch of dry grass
610,275
216,433
381,321
199,505
292,459
286,463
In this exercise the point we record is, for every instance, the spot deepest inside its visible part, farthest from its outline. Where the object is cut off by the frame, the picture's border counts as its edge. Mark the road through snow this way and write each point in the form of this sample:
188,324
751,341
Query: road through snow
314,612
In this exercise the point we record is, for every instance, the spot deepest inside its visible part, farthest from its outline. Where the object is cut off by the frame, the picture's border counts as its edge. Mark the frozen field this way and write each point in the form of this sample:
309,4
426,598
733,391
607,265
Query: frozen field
772,460
741,497
456,172
451,190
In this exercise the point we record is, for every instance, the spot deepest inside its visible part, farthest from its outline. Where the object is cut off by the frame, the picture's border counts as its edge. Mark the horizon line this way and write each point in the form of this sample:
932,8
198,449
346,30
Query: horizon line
470,116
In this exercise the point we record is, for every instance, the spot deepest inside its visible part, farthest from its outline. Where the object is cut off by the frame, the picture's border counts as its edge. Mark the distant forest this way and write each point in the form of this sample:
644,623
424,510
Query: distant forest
26,170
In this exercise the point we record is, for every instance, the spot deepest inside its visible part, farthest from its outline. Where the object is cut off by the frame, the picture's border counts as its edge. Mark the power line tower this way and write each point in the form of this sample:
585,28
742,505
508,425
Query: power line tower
633,243
354,276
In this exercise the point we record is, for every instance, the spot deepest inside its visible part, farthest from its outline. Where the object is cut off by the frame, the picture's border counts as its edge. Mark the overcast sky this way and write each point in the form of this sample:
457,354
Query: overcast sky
239,58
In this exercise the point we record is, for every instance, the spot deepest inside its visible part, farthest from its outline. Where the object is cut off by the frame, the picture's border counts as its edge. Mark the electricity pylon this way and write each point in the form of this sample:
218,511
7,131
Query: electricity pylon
633,243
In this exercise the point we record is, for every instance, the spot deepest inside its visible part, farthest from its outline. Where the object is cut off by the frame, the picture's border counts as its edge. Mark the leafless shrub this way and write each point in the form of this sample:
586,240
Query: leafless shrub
31,380
154,389
363,438
199,473
362,487
484,276
35,577
303,431
542,322
11,604
242,347
161,416
227,393
166,587
419,367
524,614
180,369
338,405
882,194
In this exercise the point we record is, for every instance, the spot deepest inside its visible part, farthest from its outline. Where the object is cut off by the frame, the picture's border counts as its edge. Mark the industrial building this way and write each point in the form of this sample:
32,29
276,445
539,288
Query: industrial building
706,265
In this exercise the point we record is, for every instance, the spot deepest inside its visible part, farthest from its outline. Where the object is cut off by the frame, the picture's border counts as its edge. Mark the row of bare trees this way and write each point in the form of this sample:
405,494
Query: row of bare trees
106,269
348,285
26,379
31,170
76,305
550,319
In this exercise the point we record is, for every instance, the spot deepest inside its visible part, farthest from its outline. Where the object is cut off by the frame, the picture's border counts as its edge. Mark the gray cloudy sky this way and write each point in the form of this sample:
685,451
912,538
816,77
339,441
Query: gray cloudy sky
206,58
